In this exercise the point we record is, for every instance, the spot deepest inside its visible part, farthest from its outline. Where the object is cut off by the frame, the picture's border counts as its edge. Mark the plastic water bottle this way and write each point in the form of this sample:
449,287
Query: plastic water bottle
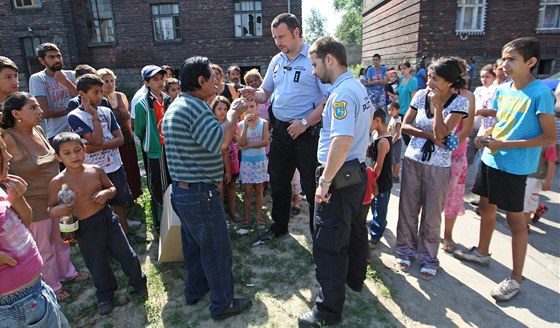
68,224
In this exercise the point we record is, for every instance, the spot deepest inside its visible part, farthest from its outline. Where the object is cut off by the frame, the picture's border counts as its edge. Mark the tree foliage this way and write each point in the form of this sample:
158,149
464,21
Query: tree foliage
315,26
344,5
349,30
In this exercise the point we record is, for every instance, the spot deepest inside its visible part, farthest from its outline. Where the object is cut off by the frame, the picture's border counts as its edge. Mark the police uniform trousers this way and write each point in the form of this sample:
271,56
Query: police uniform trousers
340,248
287,154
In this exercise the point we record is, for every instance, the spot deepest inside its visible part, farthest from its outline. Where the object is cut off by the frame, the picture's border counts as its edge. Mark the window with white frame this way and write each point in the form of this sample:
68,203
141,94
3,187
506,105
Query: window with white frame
27,4
165,18
471,16
99,21
248,18
549,16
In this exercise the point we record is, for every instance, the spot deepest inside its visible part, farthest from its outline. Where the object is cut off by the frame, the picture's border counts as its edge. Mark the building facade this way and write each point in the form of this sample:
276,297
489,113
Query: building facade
410,29
127,35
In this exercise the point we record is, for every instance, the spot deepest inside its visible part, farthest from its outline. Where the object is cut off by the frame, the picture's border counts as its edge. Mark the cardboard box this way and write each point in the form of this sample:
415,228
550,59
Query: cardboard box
170,247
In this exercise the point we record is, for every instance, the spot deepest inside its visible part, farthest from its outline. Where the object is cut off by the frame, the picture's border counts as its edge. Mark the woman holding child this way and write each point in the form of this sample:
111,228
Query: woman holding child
33,160
431,120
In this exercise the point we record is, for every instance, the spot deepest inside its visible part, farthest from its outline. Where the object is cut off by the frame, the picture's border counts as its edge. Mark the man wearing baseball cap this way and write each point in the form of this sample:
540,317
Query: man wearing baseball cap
148,112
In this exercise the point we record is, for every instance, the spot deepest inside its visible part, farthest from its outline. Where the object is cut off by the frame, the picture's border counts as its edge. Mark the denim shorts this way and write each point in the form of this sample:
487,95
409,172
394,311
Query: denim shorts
34,306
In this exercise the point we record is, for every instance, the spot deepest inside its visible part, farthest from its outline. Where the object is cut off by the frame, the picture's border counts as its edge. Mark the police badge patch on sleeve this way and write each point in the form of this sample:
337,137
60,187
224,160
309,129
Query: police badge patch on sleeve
340,111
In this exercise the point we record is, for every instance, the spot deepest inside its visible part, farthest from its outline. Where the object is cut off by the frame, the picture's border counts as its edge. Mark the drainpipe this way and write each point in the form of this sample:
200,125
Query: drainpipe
289,6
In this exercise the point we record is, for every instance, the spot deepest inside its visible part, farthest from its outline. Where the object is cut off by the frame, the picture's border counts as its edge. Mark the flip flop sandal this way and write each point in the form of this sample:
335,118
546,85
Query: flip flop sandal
402,264
428,274
260,224
81,276
448,246
61,295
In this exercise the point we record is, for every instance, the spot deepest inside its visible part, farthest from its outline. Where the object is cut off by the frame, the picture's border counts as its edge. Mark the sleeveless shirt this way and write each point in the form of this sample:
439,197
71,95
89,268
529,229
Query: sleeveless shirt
37,171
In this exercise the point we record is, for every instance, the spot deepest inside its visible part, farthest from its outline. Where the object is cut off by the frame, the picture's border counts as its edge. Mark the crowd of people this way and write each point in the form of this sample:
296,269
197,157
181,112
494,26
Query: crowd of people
308,125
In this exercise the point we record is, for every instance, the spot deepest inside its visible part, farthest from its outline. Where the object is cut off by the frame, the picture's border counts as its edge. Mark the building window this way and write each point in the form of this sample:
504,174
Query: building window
471,15
166,22
27,3
99,21
549,16
29,46
545,67
248,18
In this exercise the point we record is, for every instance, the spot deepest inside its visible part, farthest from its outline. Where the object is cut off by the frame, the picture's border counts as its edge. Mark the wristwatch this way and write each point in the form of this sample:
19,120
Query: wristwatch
324,183
304,122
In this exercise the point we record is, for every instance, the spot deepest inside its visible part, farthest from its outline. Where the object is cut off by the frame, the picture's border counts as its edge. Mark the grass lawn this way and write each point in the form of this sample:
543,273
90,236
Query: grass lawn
279,276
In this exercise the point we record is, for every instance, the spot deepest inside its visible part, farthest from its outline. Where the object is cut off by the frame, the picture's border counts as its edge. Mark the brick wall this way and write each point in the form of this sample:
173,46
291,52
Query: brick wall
409,29
207,29
390,29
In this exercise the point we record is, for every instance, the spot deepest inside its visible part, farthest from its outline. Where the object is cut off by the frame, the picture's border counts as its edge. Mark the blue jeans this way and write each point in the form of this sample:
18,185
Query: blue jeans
379,211
36,309
206,245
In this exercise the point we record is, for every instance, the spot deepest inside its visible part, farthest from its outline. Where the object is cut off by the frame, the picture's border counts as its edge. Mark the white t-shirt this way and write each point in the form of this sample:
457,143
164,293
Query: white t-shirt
81,122
393,126
43,85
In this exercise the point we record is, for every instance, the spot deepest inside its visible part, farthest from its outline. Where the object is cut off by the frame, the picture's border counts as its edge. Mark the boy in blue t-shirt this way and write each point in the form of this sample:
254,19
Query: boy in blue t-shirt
525,114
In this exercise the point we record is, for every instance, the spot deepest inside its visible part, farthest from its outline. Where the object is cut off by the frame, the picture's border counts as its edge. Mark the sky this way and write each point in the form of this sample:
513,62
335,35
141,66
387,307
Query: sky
326,9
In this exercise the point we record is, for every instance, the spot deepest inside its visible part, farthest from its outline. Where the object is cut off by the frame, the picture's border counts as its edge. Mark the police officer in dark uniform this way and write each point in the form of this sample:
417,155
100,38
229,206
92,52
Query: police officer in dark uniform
297,106
340,236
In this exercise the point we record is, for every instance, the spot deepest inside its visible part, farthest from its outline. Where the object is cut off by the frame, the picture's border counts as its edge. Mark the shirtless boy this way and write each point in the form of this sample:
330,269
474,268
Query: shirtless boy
100,231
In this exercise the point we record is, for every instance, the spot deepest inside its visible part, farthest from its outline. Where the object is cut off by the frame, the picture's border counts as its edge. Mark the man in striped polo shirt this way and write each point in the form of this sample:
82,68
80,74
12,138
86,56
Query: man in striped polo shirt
193,142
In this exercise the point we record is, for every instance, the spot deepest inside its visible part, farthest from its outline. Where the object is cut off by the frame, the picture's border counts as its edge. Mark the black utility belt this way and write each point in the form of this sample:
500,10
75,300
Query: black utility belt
350,174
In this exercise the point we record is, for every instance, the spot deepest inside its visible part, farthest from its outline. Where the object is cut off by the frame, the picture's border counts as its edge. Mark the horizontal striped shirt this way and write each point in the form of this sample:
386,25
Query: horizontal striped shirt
193,138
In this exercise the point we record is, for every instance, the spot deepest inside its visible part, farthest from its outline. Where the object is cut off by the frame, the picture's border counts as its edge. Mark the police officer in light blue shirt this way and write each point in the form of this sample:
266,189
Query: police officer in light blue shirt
298,103
344,98
340,242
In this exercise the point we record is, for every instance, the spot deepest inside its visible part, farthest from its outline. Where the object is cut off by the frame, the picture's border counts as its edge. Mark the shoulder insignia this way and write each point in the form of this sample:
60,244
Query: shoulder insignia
276,68
340,111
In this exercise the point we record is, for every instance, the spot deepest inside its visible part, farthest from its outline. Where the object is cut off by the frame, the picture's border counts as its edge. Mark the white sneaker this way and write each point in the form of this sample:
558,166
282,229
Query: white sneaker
472,256
506,290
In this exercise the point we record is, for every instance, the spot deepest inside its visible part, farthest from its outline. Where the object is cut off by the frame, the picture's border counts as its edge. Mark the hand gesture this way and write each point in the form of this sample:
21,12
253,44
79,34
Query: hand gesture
60,77
100,197
227,177
86,105
239,105
438,142
322,194
248,93
296,128
488,142
61,210
16,187
436,98
7,259
249,118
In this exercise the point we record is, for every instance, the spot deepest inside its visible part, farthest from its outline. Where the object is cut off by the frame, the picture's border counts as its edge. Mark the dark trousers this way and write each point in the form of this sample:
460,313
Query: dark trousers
379,207
101,236
206,245
158,179
340,249
287,154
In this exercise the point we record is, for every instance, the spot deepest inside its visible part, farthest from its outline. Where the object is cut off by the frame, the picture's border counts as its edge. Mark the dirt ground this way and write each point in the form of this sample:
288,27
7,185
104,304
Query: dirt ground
280,279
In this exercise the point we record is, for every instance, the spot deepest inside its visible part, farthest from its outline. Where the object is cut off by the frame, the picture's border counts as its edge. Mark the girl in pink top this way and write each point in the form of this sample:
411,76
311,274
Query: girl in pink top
220,106
454,204
25,300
